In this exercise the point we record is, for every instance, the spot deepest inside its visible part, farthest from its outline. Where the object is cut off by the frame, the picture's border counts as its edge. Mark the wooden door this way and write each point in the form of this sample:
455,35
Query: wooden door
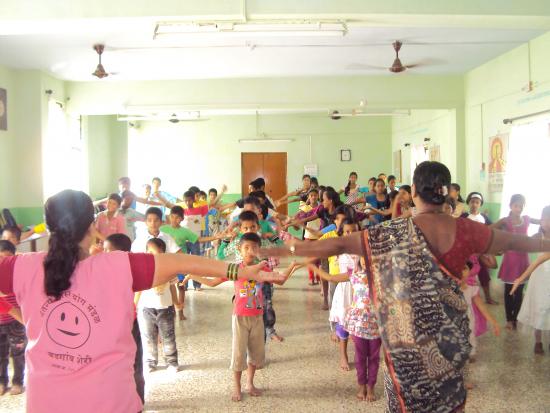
268,165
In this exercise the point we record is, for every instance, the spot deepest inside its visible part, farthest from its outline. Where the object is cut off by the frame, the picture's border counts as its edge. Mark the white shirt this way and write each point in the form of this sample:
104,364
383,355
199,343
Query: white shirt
140,243
478,218
152,299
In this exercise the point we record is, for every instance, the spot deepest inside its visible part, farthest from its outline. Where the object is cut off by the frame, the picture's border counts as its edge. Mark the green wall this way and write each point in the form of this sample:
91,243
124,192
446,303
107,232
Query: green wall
207,153
498,90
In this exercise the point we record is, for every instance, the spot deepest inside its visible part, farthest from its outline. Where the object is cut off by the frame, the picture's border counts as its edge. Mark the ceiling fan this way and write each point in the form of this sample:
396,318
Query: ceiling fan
397,66
99,71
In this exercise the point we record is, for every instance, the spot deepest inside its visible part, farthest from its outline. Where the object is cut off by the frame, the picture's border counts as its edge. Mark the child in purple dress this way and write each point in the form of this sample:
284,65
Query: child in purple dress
514,263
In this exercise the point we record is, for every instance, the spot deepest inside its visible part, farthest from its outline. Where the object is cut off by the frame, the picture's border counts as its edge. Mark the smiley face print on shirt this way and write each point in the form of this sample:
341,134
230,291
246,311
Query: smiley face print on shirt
68,326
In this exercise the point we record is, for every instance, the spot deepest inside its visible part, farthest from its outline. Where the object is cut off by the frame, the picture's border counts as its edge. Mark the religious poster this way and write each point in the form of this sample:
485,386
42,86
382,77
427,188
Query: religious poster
435,154
397,165
498,155
3,110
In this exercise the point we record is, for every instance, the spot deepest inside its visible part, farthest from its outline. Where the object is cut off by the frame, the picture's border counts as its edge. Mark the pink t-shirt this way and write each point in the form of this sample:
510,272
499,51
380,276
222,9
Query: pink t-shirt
115,225
249,298
80,351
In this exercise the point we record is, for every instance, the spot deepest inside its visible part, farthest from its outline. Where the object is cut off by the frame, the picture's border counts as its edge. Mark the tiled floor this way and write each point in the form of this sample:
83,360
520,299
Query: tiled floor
302,374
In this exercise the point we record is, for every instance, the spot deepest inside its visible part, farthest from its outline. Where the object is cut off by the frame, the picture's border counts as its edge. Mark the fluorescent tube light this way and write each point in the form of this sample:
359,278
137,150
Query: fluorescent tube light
257,29
265,140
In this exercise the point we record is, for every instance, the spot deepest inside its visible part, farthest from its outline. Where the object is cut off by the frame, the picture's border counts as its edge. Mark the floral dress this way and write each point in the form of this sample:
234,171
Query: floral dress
360,320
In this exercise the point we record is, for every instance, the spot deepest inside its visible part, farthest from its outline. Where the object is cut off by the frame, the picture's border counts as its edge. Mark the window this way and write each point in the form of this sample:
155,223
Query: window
63,160
527,169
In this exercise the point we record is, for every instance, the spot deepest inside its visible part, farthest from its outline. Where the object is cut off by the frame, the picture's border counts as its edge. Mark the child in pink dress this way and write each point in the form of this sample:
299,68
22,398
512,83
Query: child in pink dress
514,263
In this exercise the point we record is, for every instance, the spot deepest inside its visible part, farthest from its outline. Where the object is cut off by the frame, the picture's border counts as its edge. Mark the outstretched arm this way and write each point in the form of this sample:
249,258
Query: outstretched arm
507,241
351,244
337,278
211,282
532,267
164,200
166,265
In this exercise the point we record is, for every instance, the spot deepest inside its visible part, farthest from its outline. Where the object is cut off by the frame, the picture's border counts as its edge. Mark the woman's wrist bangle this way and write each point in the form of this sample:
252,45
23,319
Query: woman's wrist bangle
232,272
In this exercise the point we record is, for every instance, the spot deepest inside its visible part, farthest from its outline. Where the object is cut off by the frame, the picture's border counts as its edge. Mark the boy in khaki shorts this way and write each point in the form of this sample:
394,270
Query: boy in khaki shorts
248,351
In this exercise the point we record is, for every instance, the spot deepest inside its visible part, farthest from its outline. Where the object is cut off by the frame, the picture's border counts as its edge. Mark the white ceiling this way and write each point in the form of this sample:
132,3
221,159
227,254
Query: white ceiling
66,51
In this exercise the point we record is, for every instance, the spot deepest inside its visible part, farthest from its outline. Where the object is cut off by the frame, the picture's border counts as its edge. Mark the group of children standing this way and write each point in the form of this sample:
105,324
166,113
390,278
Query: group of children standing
200,224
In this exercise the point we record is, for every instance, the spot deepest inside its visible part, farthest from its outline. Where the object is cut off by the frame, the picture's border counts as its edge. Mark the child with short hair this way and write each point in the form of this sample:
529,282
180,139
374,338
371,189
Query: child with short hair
110,221
13,339
156,316
122,242
131,216
12,234
247,322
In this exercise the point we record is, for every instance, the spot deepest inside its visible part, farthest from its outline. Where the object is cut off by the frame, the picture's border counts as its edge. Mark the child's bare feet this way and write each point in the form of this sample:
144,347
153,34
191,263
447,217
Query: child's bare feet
237,395
324,306
344,364
509,326
371,397
254,391
361,392
277,337
334,338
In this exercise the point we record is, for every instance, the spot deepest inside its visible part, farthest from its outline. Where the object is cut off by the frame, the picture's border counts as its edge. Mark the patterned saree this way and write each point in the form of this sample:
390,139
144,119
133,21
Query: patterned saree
423,320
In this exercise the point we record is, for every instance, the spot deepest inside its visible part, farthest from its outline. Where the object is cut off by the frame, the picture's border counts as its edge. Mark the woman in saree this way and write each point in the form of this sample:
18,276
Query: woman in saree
414,268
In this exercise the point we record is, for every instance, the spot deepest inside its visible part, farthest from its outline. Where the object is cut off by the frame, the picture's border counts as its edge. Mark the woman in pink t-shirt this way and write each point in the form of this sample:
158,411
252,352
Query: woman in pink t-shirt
78,310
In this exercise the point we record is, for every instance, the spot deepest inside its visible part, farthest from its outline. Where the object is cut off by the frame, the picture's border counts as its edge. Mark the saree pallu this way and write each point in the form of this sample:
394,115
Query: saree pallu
422,316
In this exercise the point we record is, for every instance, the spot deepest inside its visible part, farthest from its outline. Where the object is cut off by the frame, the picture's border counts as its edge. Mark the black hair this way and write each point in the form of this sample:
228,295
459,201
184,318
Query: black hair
304,176
69,215
372,178
381,173
156,178
213,190
147,186
177,210
347,221
154,211
517,199
432,179
314,181
380,180
392,178
456,187
473,195
194,189
115,197
347,188
252,200
189,194
256,184
251,237
406,188
157,242
451,202
120,242
469,263
6,246
15,231
313,190
331,194
248,216
123,179
392,195
346,210
202,193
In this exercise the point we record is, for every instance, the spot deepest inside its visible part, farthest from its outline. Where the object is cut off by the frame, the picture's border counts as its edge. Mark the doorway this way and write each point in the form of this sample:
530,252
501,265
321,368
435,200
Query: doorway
269,165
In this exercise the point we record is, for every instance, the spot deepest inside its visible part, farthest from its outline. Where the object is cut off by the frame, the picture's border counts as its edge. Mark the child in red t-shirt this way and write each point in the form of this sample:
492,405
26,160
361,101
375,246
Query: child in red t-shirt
248,325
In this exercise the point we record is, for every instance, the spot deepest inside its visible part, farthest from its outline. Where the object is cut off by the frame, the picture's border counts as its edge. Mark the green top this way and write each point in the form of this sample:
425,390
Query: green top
266,228
181,235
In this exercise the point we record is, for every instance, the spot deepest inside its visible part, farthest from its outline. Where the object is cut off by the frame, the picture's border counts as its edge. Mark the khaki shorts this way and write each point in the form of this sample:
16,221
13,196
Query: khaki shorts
248,339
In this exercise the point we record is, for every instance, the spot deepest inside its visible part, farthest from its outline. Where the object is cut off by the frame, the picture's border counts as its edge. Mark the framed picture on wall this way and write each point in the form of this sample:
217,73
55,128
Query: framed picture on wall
3,109
345,155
